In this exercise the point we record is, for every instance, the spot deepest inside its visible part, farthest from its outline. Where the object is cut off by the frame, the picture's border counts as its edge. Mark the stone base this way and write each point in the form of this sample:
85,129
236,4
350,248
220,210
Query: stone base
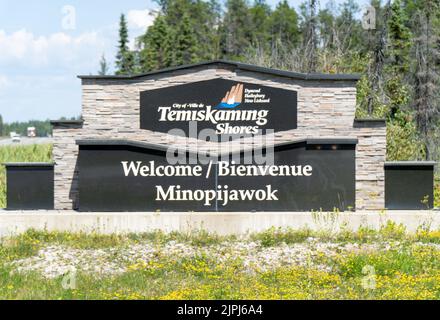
16,222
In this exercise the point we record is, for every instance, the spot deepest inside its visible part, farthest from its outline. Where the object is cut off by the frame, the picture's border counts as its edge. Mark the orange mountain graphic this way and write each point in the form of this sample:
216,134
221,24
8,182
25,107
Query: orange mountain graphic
233,97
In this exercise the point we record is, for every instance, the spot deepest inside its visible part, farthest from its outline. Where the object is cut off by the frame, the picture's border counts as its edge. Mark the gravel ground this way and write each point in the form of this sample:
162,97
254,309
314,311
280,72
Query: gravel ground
55,260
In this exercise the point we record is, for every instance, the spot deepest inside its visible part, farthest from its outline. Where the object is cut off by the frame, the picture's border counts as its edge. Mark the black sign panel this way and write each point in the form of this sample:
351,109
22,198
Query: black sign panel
329,185
30,187
409,187
229,107
105,186
302,178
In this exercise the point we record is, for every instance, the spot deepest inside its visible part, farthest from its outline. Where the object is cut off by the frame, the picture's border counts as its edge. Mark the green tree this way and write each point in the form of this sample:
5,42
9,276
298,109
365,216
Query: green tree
426,79
398,63
186,30
412,6
205,20
184,43
125,59
400,38
283,25
237,30
403,141
43,128
260,14
156,46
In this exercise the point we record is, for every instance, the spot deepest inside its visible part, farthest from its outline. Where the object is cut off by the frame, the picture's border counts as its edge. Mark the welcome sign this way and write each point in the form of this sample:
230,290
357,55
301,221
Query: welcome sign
136,177
128,176
228,107
129,170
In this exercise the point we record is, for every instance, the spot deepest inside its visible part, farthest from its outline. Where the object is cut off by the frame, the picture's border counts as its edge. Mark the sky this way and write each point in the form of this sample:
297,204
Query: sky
45,44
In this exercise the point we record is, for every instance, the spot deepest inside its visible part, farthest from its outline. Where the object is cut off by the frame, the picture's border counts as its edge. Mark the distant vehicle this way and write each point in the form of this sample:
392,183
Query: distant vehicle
31,132
15,136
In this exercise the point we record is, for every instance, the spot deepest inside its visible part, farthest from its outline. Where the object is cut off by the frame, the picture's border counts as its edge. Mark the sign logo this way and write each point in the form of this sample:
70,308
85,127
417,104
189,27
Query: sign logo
233,98
230,109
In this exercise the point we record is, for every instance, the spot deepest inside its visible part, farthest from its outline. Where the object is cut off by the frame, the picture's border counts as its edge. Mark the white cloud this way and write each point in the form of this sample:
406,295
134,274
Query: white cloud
64,51
140,19
38,72
23,48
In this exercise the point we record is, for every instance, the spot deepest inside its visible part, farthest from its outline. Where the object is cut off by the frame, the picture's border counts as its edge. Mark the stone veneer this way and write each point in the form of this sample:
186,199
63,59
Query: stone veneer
326,108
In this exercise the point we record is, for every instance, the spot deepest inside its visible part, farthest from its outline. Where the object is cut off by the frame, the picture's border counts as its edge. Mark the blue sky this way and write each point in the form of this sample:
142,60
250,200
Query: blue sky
43,47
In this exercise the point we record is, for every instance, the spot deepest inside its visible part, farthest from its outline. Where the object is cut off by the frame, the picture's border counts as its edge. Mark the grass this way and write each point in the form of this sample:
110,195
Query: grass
28,243
409,269
28,153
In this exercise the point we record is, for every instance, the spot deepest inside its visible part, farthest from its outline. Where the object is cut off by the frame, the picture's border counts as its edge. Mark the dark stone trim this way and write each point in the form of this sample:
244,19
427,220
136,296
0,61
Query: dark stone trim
337,141
410,163
28,164
369,123
66,123
237,65
164,148
129,143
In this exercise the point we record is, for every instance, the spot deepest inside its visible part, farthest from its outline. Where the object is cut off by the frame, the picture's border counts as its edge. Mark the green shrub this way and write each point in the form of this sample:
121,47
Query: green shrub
275,236
392,230
403,142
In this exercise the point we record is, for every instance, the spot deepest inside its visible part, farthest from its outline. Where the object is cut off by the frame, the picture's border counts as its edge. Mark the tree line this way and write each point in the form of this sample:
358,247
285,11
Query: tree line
43,128
397,53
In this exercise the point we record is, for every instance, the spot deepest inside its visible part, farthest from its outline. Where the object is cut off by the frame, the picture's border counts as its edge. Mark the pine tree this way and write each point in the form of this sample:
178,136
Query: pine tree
205,19
184,43
125,60
283,25
236,29
260,14
426,73
397,67
103,66
156,46
1,126
196,20
400,38
213,31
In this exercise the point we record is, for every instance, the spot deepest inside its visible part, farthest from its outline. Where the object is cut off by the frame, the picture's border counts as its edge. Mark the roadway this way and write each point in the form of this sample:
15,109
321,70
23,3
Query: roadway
6,141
